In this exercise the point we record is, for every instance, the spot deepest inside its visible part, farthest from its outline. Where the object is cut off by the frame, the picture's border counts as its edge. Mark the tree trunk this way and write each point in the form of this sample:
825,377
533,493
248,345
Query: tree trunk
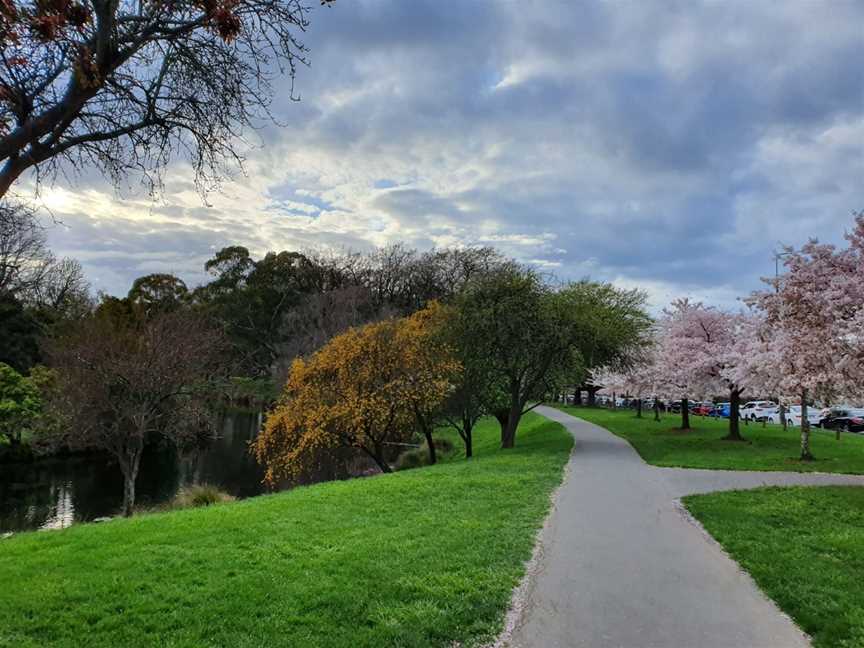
128,495
513,417
592,396
426,428
378,457
467,430
685,414
613,404
656,410
430,443
129,467
509,438
734,416
507,441
783,421
502,415
806,455
638,408
577,396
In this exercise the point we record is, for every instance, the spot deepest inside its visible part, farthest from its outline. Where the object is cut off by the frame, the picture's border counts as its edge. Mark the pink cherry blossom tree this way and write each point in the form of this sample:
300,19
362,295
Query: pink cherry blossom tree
705,351
688,338
638,380
612,382
814,315
746,362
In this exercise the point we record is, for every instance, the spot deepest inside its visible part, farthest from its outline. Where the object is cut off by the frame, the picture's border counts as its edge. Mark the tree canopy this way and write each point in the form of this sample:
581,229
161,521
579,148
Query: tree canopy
367,389
20,403
532,338
123,381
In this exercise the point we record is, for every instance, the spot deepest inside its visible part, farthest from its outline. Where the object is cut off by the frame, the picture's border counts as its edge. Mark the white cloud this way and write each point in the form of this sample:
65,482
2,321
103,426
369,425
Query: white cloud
668,147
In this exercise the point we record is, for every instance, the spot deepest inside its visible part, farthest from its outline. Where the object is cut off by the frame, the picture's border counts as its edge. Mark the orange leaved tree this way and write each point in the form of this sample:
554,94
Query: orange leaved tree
366,389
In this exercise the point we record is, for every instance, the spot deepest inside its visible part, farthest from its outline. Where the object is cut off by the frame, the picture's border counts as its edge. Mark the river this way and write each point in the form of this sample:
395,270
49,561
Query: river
54,493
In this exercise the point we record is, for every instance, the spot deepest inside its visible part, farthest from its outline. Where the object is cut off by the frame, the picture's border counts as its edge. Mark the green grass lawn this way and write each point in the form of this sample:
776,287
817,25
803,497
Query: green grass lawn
424,557
805,549
767,448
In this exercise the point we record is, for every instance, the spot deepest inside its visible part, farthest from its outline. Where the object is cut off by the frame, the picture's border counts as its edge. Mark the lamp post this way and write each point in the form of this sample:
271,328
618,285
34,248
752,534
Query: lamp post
777,257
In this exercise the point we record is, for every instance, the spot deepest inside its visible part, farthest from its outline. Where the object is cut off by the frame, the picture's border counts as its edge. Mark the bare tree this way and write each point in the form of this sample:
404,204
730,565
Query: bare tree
128,84
23,249
405,279
122,383
320,318
325,315
31,273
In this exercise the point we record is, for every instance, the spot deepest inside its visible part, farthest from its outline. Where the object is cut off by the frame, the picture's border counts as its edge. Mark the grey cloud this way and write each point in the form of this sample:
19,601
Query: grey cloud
637,138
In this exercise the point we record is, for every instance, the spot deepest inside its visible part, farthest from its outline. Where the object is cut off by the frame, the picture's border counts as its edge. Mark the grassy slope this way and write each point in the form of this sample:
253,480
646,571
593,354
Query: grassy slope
805,548
768,448
420,558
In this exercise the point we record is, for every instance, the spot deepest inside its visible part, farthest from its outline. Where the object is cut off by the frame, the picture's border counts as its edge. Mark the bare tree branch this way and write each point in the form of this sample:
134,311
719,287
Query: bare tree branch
128,85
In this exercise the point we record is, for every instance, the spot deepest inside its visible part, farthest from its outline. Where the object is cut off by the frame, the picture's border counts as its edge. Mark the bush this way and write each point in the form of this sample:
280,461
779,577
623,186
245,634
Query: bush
200,495
443,445
414,458
418,457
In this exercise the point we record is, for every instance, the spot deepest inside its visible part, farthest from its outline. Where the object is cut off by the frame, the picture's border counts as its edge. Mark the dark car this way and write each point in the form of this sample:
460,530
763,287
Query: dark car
847,420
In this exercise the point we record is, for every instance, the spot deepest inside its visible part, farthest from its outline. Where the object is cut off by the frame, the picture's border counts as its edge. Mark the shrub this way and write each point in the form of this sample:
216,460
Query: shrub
414,458
443,445
417,457
200,495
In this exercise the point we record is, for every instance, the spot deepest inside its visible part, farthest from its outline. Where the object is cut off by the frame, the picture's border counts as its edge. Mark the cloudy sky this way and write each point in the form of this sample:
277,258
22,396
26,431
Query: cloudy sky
669,145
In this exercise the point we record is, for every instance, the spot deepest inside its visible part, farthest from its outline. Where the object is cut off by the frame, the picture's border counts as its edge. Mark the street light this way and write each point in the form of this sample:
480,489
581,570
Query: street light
777,257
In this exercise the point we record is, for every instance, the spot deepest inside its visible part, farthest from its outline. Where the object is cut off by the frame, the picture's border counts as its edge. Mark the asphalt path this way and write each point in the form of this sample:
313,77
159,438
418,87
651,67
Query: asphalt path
620,563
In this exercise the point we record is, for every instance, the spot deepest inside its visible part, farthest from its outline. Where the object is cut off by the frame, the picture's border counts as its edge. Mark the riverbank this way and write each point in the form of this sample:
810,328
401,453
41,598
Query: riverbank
427,556
57,491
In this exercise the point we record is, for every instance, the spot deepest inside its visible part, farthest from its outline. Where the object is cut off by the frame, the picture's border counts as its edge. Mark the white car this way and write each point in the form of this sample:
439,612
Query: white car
758,410
793,415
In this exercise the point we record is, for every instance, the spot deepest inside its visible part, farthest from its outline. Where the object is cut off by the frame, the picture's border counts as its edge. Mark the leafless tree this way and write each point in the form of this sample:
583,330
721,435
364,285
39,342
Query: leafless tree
62,289
29,270
23,249
127,85
405,279
323,316
442,273
122,383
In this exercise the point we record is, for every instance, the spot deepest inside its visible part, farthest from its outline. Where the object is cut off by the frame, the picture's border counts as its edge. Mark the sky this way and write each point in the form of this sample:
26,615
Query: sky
672,146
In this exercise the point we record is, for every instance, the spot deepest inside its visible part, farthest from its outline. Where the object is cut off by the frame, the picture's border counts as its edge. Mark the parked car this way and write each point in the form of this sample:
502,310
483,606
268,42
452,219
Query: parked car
845,419
793,416
826,411
703,409
721,410
758,410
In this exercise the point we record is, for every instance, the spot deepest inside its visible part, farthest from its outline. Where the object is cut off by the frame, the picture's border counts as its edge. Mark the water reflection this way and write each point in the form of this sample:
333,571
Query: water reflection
54,493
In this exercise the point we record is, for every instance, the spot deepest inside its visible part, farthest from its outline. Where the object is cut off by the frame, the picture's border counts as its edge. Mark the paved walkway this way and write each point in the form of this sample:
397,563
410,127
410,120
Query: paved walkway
621,566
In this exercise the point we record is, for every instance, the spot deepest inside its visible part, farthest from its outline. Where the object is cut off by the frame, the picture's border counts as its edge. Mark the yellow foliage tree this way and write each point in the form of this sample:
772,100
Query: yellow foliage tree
367,388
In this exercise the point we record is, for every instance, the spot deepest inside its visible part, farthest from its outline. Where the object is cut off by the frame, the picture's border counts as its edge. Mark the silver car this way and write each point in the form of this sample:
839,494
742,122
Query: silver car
793,416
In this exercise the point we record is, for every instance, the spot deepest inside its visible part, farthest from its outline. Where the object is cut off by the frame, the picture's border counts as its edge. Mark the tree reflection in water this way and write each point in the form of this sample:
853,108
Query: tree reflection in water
53,493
